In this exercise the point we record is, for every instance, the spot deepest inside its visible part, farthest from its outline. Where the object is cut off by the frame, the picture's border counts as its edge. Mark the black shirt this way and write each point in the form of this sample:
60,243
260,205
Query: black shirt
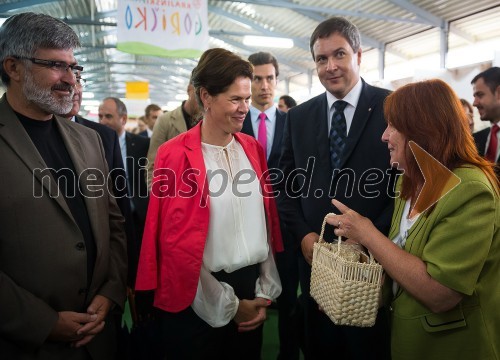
49,143
190,121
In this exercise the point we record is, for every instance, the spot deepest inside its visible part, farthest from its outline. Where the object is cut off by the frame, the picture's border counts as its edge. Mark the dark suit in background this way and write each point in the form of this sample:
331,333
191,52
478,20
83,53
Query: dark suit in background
481,137
287,261
137,151
365,161
144,134
114,160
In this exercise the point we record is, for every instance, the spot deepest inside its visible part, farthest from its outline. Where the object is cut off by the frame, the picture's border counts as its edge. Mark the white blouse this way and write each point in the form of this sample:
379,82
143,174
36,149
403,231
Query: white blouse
237,234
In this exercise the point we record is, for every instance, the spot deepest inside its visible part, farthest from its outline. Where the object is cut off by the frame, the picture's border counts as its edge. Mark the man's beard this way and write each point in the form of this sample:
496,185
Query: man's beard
44,98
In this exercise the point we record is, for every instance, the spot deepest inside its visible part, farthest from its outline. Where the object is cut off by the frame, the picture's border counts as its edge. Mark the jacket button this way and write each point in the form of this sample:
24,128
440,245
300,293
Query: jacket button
80,246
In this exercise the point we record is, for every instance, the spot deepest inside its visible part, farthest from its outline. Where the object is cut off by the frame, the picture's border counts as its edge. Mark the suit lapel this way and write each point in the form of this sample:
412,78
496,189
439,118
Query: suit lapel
129,143
76,151
14,134
78,120
278,134
72,143
250,152
247,125
130,160
320,144
412,232
362,114
396,217
480,138
195,157
396,222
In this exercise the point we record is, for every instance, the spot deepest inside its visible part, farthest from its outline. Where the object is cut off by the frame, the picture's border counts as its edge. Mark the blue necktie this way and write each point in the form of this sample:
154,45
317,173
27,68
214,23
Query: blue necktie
338,133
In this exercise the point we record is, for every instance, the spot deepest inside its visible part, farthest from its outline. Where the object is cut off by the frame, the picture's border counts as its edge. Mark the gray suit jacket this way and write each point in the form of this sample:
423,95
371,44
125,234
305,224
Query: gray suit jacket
42,251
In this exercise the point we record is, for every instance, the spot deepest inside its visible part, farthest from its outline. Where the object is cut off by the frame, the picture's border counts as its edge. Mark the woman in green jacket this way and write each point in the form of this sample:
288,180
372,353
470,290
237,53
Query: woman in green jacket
443,250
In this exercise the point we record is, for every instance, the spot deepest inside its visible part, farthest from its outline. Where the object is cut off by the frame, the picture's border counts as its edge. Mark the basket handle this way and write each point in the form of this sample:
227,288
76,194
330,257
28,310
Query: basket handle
321,239
339,239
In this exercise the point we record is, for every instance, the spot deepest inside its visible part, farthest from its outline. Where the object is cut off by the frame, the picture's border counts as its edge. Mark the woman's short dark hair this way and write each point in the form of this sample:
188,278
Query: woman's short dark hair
216,71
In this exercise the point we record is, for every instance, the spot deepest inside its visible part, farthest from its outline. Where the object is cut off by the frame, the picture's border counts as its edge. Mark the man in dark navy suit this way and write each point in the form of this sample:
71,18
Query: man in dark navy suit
134,149
264,120
333,141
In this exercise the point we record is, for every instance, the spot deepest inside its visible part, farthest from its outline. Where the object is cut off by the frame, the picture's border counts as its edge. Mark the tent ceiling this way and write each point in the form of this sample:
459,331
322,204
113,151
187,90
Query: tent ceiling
402,29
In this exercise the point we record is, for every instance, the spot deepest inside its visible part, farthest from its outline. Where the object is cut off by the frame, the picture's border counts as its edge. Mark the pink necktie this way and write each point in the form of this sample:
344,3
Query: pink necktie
491,153
262,136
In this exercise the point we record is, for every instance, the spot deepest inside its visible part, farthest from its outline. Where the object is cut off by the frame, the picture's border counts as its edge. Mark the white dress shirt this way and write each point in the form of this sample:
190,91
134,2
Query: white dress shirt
123,149
351,99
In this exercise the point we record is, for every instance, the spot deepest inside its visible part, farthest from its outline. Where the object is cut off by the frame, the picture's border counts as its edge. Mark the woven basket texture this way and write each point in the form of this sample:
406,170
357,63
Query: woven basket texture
346,283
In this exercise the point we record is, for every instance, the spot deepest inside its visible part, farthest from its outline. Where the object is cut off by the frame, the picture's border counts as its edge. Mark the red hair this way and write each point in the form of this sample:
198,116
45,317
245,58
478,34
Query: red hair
430,114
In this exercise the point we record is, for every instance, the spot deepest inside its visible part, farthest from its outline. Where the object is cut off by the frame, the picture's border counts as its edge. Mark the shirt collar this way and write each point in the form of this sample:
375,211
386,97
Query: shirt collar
270,113
122,139
351,98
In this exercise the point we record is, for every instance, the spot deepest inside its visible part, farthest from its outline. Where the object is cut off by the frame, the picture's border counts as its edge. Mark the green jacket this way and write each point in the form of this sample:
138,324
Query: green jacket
459,241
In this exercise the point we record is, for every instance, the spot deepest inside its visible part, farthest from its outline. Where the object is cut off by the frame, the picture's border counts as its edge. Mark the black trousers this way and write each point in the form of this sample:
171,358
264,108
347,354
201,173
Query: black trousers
290,322
186,336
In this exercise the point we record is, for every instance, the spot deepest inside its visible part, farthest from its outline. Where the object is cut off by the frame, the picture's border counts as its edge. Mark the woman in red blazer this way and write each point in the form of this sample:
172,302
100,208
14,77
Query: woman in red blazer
212,225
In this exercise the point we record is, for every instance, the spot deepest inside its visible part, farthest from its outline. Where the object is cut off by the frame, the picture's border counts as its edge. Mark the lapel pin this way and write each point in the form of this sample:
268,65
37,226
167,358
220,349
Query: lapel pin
369,109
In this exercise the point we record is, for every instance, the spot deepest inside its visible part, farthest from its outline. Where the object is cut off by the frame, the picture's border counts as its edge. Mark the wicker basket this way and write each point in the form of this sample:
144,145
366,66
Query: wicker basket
345,282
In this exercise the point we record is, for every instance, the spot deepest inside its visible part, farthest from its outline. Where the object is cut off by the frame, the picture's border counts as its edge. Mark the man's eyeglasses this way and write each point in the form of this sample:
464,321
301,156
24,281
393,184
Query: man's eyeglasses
80,81
60,66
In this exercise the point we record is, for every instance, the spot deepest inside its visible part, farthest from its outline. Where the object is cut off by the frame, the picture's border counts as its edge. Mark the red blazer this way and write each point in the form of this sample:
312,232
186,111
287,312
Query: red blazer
178,216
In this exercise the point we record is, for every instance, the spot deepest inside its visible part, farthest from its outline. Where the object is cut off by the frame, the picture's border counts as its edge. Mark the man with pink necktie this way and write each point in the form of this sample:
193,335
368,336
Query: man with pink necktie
486,86
265,122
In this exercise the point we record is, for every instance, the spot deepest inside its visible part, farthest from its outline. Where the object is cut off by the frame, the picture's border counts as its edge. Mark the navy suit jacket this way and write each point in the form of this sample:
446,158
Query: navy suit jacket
144,133
114,159
137,151
365,177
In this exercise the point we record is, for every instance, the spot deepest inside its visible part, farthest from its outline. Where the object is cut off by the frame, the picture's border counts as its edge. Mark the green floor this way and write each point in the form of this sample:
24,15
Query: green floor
270,345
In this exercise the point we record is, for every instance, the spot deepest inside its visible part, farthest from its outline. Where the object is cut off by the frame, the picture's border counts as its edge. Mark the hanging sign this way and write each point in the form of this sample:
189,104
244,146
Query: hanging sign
137,90
166,28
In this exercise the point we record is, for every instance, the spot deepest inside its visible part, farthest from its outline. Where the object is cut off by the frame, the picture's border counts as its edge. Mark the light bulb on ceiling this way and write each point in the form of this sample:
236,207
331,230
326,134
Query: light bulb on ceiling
267,41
